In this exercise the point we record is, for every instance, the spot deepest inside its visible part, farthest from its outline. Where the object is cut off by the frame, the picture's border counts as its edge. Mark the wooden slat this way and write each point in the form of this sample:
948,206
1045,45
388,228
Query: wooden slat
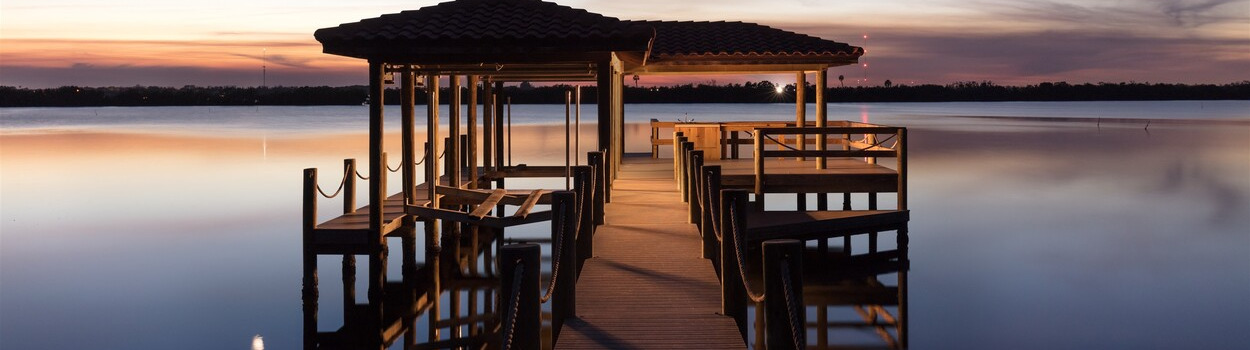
647,287
530,201
488,204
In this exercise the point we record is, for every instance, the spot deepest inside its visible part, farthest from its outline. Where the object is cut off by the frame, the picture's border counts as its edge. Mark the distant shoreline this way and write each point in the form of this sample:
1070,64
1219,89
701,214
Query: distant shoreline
750,92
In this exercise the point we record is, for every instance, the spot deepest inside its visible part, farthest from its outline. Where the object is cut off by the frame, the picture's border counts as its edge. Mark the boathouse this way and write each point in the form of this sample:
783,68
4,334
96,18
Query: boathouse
597,296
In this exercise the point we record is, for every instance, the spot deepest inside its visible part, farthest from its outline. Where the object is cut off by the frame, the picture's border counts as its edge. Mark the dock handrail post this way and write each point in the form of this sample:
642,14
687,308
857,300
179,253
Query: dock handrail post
710,209
349,186
518,296
677,135
733,294
600,186
686,147
309,292
655,138
693,183
902,168
759,167
786,322
564,220
586,224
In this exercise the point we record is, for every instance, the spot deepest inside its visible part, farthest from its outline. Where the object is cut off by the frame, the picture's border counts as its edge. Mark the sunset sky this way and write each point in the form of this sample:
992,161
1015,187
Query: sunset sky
46,43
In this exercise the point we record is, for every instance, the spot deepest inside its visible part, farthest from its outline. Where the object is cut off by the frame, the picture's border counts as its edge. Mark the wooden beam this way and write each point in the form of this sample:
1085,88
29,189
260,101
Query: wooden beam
483,209
530,201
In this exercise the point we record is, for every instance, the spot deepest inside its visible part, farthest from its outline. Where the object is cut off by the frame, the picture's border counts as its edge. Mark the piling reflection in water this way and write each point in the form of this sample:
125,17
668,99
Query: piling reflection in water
448,301
854,295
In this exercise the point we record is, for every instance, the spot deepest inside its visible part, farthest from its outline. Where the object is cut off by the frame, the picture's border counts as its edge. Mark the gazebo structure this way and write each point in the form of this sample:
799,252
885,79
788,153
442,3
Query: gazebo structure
482,44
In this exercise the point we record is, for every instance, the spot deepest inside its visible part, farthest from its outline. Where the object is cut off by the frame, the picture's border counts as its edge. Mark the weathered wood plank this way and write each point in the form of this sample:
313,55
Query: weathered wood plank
647,286
487,205
528,205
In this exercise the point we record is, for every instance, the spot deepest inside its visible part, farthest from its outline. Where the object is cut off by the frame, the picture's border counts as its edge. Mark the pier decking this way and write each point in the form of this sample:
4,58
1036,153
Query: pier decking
647,286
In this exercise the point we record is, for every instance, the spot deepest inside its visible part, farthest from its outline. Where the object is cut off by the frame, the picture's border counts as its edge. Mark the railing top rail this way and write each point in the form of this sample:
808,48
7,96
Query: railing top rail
831,130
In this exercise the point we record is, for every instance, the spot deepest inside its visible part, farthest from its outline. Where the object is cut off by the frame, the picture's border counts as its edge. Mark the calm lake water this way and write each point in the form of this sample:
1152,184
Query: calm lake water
1034,225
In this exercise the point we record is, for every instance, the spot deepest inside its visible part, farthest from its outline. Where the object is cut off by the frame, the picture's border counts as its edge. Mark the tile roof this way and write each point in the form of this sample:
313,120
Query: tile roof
491,25
685,39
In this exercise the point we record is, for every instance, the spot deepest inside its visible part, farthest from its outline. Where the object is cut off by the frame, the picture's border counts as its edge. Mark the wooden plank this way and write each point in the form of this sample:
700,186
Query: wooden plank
647,286
483,209
530,201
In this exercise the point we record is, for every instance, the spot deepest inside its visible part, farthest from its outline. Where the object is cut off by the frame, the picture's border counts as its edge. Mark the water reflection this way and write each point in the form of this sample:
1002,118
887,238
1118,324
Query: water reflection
855,293
446,301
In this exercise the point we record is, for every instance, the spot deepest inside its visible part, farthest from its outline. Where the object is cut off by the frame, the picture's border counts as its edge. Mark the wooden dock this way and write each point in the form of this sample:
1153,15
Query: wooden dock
647,286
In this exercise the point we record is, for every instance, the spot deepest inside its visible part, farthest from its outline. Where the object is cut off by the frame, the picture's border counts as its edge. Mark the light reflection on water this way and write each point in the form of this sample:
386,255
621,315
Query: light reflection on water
1024,233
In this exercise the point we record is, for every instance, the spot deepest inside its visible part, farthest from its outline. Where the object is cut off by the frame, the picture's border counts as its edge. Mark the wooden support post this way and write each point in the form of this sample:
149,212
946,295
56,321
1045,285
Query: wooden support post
692,182
605,84
472,132
783,285
349,186
800,109
377,166
309,292
600,186
822,113
453,132
499,118
686,149
564,231
488,124
902,168
607,176
407,107
733,221
733,145
710,209
431,131
759,168
677,136
586,209
655,139
377,196
519,299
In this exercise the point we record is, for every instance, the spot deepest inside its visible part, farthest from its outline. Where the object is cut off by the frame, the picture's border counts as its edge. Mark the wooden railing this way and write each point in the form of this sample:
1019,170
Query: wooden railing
867,141
733,135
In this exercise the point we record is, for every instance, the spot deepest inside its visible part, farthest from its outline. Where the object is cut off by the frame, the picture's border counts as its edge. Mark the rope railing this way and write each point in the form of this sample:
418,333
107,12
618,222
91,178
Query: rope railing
742,270
792,309
511,316
557,249
342,184
398,167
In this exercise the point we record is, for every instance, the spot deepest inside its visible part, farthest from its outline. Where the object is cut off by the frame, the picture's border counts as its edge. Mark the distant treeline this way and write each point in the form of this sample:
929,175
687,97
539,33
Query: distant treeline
525,93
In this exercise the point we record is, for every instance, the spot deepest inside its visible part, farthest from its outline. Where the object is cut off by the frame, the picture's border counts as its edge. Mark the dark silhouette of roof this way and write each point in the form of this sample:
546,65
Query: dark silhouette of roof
480,27
517,31
709,40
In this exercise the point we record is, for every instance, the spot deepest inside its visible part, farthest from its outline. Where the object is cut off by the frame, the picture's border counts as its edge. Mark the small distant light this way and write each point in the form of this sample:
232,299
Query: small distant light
781,89
865,36
258,343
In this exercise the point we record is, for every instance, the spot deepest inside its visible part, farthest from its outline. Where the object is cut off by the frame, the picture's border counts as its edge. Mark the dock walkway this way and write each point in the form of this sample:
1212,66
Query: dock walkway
646,286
